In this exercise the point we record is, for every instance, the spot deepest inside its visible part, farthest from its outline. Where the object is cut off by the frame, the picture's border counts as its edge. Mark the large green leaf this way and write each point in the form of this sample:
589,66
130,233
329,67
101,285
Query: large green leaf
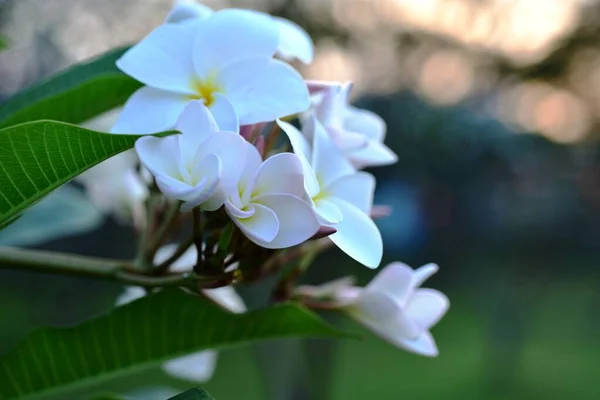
193,394
141,334
38,157
75,95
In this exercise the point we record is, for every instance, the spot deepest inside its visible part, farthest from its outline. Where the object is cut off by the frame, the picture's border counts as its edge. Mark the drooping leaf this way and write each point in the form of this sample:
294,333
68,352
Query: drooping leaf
65,212
139,335
75,95
38,157
193,394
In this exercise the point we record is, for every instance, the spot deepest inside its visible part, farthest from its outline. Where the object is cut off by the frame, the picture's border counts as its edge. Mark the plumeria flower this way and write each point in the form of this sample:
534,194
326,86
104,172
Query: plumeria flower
358,133
267,204
392,305
200,366
341,196
294,42
227,56
193,167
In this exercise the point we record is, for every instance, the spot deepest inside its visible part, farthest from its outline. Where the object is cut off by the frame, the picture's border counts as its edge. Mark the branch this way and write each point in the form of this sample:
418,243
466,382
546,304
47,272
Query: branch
80,266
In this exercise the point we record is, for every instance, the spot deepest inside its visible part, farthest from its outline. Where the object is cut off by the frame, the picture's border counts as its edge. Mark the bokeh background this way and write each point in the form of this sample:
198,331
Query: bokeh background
493,107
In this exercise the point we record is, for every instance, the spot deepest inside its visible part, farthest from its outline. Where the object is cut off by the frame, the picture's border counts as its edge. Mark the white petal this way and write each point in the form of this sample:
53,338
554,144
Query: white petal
152,150
185,263
395,279
329,110
327,290
328,211
299,143
185,10
197,367
231,149
424,345
225,114
227,298
280,174
357,235
426,307
374,154
163,59
208,172
423,273
130,294
294,42
383,315
297,220
357,189
231,35
196,123
261,227
365,122
263,89
327,161
252,163
150,110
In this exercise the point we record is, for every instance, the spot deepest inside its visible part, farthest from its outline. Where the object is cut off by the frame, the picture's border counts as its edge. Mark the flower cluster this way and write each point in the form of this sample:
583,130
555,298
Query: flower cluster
255,182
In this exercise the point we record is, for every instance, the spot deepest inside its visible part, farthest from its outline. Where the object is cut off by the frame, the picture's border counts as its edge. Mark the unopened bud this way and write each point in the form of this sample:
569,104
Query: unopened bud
315,87
381,211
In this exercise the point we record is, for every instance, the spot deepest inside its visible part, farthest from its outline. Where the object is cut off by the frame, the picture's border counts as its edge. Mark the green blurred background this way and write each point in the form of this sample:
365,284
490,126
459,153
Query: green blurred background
493,109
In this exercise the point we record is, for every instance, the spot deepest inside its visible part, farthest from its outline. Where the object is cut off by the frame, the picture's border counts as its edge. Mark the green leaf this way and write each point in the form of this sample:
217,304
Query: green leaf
140,335
75,95
38,157
4,42
193,394
225,239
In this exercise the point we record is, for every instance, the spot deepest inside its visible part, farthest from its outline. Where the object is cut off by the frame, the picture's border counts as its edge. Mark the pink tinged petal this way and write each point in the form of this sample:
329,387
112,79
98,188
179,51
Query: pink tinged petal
426,307
357,235
423,345
225,115
396,279
261,227
152,150
297,220
232,35
316,87
328,212
263,89
280,174
383,315
130,294
357,189
150,110
328,162
186,10
227,298
163,59
364,122
196,123
294,42
185,263
196,367
374,154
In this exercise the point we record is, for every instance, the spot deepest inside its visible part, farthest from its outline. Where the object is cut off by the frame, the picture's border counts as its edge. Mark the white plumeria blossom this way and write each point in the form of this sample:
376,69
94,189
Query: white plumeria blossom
294,42
193,166
228,56
341,196
267,202
200,366
392,305
358,133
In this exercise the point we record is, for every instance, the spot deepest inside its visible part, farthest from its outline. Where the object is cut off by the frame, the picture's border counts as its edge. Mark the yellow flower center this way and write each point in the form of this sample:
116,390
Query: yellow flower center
206,90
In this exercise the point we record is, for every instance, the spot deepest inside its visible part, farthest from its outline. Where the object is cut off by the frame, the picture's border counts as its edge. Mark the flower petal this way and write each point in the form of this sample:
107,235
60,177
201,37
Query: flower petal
426,307
424,345
163,59
150,110
252,163
196,123
364,122
227,298
280,174
357,189
294,42
185,263
327,161
208,173
261,227
196,367
231,35
395,279
151,151
231,149
263,89
423,273
130,294
185,10
357,235
328,211
302,150
374,154
225,114
297,220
